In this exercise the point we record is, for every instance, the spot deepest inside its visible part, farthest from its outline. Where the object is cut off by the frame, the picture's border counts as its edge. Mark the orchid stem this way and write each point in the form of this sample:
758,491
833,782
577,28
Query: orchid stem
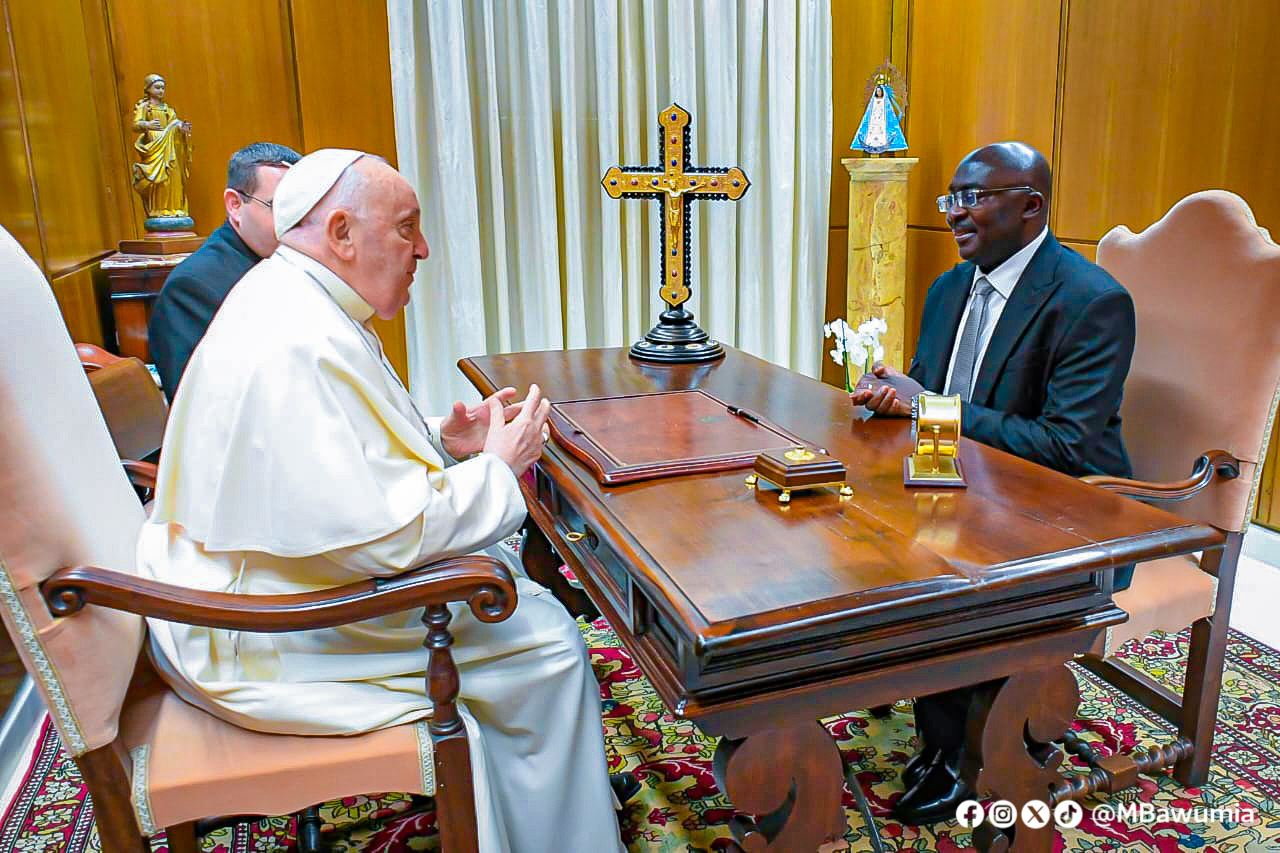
844,346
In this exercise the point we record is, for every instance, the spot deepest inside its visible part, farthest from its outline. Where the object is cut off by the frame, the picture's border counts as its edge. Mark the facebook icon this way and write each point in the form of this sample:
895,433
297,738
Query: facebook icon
969,813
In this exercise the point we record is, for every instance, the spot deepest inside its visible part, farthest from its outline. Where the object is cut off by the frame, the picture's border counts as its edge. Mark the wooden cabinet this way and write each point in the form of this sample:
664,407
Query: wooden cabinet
135,282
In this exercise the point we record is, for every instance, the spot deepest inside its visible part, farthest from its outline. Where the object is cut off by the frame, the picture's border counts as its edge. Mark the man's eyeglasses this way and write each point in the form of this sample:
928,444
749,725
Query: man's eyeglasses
970,197
260,201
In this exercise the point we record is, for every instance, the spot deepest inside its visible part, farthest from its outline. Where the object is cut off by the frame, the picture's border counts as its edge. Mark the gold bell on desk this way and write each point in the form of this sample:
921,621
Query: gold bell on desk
935,433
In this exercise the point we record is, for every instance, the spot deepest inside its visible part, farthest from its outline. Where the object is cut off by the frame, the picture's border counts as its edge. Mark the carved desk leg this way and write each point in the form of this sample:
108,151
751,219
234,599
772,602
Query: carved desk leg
542,564
1011,757
792,778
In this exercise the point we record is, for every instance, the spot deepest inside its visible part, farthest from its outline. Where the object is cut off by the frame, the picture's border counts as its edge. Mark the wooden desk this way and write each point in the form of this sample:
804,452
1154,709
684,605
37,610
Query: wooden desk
756,620
135,282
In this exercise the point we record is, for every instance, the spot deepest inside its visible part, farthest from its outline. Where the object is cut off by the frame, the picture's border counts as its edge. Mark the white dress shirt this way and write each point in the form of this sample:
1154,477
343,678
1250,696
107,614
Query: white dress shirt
1003,280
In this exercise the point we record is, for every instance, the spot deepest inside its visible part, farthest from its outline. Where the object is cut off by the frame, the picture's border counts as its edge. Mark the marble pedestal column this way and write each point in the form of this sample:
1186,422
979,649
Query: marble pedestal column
878,247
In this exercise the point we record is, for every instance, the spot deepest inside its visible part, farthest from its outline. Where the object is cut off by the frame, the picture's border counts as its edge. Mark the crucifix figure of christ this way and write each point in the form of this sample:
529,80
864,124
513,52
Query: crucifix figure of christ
676,339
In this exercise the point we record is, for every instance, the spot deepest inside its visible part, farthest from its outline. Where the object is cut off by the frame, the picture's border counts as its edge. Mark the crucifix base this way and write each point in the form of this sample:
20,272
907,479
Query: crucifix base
676,339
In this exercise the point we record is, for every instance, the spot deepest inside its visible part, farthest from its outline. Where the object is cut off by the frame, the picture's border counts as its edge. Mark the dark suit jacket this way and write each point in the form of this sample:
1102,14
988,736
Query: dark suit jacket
190,297
1049,386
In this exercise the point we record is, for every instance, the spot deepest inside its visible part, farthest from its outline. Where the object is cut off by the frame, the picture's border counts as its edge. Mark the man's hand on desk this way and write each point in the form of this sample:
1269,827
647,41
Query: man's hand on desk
886,391
519,441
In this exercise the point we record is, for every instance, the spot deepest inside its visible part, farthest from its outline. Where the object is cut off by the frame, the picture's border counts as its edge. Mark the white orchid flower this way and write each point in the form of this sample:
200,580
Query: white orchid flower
839,328
854,346
876,325
874,328
870,333
858,345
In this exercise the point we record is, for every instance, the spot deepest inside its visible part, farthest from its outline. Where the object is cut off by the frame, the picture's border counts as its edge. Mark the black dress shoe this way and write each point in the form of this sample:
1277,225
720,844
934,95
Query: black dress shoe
935,797
625,786
918,766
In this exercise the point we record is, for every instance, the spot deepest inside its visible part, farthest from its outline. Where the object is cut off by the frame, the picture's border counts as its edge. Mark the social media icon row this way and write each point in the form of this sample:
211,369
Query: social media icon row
1035,814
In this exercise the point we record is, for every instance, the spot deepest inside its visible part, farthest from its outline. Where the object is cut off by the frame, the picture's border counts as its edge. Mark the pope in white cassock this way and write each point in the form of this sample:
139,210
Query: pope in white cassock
295,460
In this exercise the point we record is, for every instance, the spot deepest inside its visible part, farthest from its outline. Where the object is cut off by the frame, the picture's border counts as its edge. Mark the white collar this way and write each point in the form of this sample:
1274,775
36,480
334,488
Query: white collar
1004,277
343,294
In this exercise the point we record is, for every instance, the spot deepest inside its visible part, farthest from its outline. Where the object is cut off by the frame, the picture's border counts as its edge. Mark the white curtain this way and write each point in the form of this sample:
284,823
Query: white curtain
509,113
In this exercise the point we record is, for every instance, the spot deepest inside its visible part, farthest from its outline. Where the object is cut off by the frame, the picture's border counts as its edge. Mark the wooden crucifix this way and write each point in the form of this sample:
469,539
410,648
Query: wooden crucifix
676,339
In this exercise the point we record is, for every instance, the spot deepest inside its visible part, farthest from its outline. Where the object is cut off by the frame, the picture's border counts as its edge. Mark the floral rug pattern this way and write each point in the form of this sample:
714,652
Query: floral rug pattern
680,808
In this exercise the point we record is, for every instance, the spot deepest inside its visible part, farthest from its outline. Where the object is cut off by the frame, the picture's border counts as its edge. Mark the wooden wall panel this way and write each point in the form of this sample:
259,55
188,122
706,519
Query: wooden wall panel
344,95
979,72
115,138
82,298
344,75
1163,100
17,204
1089,250
930,253
229,70
837,292
860,34
51,58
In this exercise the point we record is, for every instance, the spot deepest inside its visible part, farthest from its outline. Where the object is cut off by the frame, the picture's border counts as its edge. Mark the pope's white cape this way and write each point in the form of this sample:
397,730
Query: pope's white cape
294,460
284,397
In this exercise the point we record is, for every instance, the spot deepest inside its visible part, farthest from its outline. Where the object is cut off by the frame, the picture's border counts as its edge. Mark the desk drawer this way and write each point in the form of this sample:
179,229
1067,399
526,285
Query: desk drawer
598,559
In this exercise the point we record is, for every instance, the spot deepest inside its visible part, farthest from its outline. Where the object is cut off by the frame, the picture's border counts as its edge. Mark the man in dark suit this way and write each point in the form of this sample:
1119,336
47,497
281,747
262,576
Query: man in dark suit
1037,342
196,287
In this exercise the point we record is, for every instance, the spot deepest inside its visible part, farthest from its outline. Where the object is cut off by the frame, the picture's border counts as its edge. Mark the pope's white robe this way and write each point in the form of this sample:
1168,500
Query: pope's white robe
294,460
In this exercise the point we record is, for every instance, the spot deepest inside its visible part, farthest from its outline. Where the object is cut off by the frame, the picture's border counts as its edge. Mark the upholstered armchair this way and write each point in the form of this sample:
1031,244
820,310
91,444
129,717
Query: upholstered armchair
133,407
70,599
1198,410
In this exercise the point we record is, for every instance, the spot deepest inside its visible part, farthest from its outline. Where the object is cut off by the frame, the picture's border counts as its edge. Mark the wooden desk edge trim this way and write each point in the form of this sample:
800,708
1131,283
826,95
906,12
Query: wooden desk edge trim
1185,539
739,715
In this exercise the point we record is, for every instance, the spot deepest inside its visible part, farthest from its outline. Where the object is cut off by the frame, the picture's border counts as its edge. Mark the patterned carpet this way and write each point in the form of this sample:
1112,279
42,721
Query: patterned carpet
680,809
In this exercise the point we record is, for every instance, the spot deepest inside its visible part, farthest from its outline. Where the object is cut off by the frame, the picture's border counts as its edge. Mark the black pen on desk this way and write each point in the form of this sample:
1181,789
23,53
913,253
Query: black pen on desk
743,413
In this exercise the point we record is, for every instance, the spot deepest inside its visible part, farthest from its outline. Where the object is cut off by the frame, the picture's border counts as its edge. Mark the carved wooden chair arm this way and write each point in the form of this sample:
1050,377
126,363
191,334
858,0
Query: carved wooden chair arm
483,582
94,357
141,474
1213,463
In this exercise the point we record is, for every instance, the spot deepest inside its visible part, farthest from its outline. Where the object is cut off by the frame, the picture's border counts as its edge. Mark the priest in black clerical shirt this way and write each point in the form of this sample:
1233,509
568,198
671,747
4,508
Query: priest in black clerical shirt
195,289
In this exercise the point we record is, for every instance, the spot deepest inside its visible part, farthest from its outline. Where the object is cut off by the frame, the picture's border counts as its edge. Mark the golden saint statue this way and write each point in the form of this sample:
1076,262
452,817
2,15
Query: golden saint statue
164,160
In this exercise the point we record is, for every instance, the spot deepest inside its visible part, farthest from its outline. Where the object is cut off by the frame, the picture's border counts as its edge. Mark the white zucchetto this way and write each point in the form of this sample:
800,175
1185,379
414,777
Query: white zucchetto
306,182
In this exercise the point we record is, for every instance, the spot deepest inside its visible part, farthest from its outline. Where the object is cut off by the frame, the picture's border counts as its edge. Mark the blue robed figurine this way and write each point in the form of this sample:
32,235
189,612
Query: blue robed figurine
881,128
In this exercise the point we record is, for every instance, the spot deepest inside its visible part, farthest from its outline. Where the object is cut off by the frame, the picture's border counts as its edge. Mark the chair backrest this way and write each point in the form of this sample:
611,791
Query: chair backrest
133,406
1205,281
64,501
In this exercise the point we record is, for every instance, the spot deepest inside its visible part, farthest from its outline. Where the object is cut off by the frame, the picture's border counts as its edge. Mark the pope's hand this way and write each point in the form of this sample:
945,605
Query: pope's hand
886,391
465,429
520,442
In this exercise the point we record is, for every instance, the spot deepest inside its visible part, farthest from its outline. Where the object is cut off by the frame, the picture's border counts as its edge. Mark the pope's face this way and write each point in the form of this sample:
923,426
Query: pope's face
389,243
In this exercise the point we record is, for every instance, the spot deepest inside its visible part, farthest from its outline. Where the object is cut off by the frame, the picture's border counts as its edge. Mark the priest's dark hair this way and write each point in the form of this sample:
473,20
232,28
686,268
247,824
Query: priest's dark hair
242,171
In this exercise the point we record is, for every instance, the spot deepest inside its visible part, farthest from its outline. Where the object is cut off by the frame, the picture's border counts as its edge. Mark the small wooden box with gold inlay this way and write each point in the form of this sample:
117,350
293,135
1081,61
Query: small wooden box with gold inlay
798,468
